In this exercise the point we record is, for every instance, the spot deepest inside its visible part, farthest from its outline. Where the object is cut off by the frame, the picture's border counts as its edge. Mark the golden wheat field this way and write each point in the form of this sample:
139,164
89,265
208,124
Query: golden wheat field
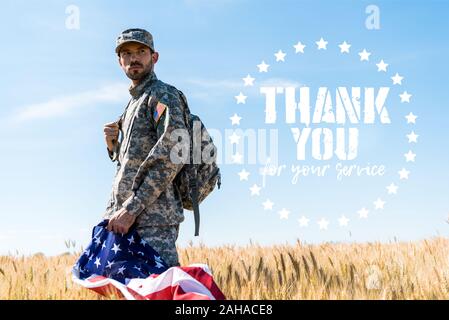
396,270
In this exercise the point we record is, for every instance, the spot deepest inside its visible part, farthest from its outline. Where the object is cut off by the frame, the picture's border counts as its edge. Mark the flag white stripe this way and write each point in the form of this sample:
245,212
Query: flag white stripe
172,277
104,282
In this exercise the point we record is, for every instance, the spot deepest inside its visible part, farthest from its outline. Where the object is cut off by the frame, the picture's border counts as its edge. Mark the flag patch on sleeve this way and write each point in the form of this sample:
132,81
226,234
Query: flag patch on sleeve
158,111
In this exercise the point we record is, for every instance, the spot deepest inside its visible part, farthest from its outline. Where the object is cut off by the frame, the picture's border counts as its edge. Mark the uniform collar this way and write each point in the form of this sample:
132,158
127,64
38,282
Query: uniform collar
138,90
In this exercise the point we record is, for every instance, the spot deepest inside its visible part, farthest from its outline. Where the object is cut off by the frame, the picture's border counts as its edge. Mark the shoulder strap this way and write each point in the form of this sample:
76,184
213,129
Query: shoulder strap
193,179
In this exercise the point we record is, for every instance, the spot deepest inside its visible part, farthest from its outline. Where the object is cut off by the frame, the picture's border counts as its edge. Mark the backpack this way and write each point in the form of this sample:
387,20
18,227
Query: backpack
198,177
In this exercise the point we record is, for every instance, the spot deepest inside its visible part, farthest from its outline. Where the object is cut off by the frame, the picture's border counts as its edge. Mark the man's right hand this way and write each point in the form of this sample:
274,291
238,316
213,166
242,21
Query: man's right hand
111,131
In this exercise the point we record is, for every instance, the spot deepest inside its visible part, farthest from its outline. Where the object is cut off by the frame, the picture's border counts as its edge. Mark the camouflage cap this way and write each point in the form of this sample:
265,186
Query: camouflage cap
134,35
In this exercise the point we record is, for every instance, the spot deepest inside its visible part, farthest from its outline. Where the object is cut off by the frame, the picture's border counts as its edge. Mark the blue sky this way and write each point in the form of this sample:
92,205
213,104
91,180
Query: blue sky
59,86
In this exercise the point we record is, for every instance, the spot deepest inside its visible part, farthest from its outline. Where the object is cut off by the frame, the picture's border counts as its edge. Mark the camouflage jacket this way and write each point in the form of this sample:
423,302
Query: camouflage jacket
143,182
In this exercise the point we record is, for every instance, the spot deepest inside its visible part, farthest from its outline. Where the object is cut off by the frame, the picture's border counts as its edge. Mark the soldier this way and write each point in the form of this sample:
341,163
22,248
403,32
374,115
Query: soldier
143,190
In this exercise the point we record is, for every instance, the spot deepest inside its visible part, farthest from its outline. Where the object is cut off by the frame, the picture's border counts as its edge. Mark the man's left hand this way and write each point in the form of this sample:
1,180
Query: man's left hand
121,221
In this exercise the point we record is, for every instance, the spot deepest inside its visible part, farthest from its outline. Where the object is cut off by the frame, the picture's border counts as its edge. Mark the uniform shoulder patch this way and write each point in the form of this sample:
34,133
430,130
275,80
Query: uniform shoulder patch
158,111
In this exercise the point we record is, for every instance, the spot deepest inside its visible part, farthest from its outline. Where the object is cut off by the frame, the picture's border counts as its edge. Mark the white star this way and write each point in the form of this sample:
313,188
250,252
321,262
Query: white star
379,204
116,248
405,96
138,268
234,138
263,67
97,241
403,174
103,246
412,137
120,270
235,119
321,44
109,265
241,98
303,221
397,79
344,47
268,205
363,213
343,221
280,55
131,240
255,190
283,214
87,252
243,175
237,158
323,224
249,81
410,156
411,118
158,258
382,66
159,265
97,262
364,55
91,256
392,188
299,47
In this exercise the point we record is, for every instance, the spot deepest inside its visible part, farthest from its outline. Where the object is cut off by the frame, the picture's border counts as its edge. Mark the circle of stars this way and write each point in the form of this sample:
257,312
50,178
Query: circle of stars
412,138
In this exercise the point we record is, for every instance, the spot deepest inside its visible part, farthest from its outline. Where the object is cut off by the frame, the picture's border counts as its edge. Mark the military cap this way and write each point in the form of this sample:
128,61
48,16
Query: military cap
134,35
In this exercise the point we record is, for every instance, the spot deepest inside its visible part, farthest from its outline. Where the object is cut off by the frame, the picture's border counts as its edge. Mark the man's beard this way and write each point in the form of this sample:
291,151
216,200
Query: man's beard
139,74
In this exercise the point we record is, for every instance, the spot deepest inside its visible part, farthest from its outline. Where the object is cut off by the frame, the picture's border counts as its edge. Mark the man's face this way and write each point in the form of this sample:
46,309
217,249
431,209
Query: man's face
136,60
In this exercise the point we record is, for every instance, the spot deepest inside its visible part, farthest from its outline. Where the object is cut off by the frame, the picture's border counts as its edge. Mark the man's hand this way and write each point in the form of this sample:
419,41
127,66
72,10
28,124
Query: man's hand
121,221
111,131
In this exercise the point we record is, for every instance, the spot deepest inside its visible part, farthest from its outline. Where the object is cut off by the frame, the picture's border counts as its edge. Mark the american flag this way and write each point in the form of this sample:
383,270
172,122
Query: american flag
127,267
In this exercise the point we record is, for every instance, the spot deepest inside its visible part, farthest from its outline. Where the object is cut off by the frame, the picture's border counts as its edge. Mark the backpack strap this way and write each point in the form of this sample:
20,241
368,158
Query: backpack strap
193,178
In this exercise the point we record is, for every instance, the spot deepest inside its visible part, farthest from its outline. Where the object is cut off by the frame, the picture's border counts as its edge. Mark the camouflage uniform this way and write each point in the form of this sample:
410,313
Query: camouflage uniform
143,182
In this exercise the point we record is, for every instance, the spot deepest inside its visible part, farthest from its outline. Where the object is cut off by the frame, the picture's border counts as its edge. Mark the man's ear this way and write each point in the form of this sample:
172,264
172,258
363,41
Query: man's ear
120,62
155,57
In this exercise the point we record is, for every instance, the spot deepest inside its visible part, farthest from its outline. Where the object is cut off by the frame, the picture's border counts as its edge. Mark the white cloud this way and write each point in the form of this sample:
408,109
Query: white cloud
59,106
